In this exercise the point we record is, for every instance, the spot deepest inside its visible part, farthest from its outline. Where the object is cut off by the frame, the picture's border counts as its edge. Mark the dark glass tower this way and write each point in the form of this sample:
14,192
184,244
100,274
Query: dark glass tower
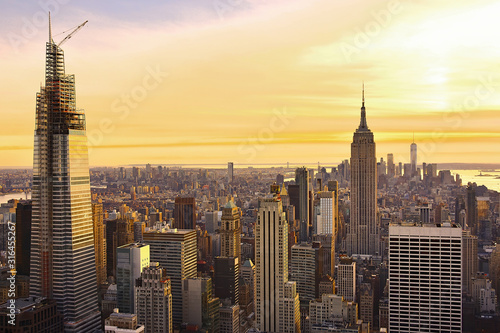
62,248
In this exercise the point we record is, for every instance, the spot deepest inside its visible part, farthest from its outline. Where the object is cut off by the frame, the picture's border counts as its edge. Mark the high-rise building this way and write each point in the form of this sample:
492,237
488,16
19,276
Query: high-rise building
494,266
471,209
62,240
229,319
425,278
175,250
302,211
230,231
226,278
99,243
153,300
23,237
211,221
271,271
185,213
247,287
131,259
326,218
413,158
363,233
469,260
391,167
366,303
230,172
346,279
306,269
199,306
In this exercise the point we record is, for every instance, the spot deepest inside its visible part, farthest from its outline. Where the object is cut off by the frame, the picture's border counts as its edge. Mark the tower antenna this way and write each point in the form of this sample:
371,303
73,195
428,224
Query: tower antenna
50,30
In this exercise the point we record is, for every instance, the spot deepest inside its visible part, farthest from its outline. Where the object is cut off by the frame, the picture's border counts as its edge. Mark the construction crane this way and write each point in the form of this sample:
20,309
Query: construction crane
72,33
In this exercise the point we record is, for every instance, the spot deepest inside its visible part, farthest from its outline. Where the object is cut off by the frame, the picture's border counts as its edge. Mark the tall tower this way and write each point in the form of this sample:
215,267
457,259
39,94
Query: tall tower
302,212
413,157
230,231
363,233
99,243
276,299
230,172
62,247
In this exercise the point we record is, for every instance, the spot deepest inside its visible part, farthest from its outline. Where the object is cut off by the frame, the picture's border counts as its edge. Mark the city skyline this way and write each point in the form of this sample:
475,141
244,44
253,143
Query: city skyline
249,69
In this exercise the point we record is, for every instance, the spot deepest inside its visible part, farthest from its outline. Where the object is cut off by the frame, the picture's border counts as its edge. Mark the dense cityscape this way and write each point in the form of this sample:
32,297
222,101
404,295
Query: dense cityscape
370,244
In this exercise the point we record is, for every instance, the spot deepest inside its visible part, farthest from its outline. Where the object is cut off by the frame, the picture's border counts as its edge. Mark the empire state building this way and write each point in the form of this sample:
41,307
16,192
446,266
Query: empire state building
363,233
63,258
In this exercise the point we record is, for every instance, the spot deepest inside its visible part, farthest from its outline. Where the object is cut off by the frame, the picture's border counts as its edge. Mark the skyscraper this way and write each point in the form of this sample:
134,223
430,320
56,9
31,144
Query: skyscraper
175,250
130,261
302,211
272,301
153,300
230,231
62,247
99,243
413,157
363,233
23,237
346,279
391,167
425,278
230,172
306,269
185,213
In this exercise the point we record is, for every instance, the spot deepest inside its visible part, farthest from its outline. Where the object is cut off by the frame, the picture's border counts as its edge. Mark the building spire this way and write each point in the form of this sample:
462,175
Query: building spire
50,30
363,126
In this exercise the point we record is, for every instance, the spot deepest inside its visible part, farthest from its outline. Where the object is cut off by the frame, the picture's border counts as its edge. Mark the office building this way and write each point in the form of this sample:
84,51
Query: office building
470,263
184,213
271,271
153,300
332,310
391,167
23,237
131,259
346,279
302,211
425,278
363,232
230,231
471,209
62,240
200,308
306,269
175,250
226,278
211,221
99,243
229,318
326,218
328,243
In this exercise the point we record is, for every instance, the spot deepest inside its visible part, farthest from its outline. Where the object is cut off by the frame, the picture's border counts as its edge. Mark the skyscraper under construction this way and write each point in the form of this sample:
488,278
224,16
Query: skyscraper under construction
63,258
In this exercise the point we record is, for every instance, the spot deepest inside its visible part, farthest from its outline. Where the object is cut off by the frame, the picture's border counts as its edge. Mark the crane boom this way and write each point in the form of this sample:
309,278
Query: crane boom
72,33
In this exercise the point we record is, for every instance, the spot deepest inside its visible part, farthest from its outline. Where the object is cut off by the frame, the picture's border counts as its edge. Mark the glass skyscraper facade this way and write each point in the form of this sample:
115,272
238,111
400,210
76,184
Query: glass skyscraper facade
63,258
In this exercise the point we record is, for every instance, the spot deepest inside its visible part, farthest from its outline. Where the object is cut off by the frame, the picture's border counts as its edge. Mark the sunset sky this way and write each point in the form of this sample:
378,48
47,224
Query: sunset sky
260,81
